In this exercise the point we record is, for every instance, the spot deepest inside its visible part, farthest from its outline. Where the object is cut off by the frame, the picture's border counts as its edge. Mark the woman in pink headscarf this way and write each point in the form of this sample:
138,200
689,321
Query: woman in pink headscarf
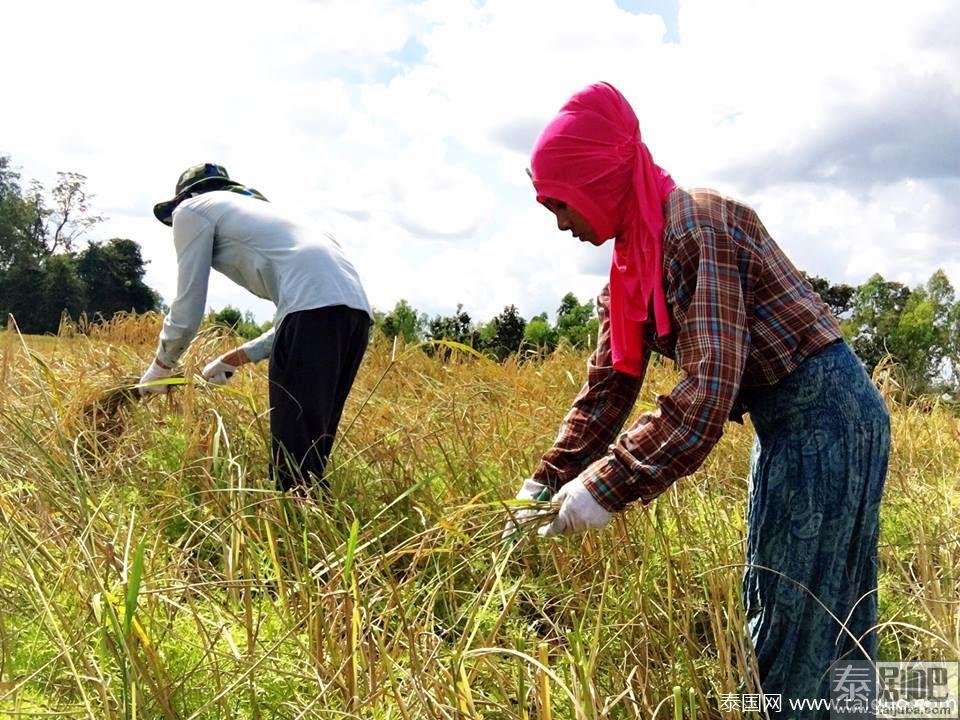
696,277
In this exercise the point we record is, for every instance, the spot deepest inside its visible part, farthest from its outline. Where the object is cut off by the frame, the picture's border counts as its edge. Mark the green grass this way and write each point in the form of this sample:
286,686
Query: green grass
150,571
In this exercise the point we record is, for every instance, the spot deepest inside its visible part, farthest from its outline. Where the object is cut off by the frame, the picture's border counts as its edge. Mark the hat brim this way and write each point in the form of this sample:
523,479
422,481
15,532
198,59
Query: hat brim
164,211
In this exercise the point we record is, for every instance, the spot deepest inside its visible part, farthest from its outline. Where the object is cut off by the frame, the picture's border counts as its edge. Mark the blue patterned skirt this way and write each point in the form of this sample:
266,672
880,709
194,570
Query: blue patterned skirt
816,479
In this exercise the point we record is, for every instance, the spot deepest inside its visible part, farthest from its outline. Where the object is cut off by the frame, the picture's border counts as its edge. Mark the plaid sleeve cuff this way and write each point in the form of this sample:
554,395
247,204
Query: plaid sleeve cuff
549,476
607,485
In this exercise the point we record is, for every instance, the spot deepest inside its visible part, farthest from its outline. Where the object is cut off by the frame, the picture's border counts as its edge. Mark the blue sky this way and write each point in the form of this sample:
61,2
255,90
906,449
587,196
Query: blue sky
667,10
406,127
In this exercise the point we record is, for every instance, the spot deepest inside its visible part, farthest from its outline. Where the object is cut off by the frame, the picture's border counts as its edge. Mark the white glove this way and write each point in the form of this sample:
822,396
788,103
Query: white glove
530,490
578,511
218,372
152,373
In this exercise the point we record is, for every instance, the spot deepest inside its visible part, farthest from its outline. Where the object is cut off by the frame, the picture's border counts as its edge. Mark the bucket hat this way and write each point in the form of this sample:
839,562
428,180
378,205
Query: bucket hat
191,180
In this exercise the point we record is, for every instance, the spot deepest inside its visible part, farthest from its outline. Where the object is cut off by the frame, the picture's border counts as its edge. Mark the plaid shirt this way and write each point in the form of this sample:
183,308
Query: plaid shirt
742,316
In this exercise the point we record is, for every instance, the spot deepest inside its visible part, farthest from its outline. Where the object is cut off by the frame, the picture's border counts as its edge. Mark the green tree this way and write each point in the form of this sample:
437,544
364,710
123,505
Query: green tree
113,275
242,323
913,340
457,327
539,334
503,335
62,291
877,305
576,323
230,317
953,331
19,287
485,334
942,295
17,215
20,272
839,298
67,216
404,322
917,328
41,275
921,343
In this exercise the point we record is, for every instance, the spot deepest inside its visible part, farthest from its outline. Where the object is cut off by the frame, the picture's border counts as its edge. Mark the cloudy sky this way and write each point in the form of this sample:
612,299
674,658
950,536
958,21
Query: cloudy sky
406,126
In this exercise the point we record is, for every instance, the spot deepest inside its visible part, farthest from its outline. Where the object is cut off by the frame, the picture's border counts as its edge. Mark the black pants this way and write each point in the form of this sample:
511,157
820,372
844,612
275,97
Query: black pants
314,361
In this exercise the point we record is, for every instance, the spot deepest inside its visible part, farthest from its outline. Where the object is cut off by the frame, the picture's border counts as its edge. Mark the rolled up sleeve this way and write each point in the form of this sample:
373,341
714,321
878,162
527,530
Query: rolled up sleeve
260,347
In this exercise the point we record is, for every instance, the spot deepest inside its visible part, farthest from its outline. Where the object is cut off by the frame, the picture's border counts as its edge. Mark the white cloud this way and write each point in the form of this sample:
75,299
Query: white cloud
414,121
847,236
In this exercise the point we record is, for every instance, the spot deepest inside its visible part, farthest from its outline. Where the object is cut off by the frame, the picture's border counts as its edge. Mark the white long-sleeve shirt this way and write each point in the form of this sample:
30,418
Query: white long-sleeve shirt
276,257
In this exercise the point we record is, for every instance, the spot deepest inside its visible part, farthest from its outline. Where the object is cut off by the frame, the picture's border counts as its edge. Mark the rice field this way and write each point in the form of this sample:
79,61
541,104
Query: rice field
148,569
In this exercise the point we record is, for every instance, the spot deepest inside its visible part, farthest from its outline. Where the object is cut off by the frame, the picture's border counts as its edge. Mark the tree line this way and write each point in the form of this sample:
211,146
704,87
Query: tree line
918,329
44,274
504,335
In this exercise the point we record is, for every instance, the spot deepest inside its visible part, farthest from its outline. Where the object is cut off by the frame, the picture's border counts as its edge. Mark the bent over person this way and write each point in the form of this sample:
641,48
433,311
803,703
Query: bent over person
697,278
322,324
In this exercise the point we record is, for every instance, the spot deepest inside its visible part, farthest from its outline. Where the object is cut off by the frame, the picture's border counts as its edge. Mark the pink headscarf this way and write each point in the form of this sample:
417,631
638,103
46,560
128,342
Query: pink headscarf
591,157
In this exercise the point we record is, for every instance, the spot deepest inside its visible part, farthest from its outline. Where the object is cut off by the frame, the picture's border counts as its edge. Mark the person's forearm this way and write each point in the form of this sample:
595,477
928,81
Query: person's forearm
260,347
236,357
596,416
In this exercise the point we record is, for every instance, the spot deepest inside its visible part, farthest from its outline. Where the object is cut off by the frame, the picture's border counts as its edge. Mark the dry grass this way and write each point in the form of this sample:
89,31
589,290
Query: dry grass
150,570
